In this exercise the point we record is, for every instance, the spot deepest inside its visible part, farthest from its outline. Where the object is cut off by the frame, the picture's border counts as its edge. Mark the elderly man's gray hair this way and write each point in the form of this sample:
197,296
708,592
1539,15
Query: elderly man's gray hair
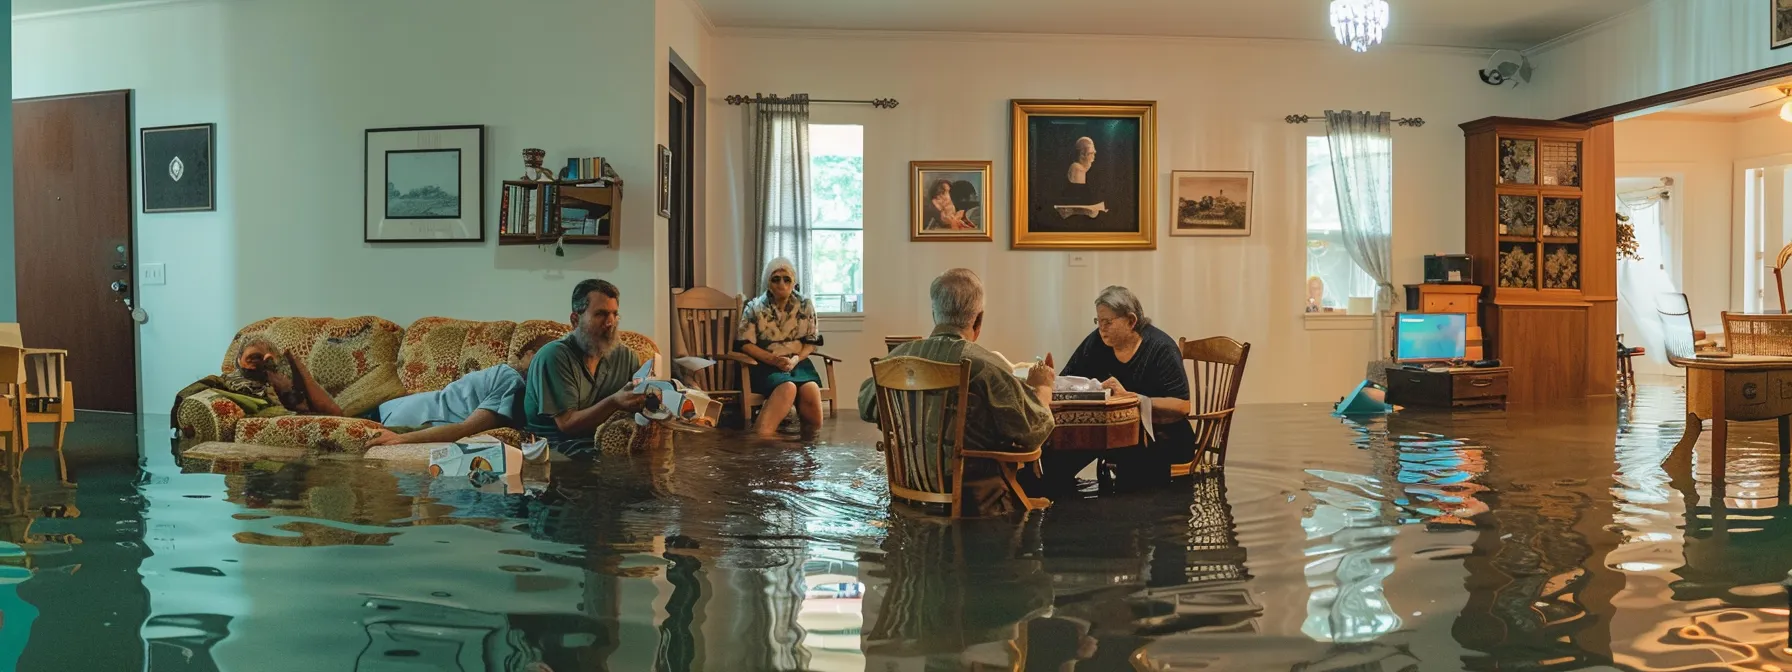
957,298
1124,304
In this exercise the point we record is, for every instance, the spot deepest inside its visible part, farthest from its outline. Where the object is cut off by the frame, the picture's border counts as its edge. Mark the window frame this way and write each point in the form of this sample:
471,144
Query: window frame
1322,321
848,321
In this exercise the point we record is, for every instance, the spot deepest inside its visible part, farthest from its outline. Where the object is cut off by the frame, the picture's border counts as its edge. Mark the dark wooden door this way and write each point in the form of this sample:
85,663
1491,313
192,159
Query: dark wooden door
72,217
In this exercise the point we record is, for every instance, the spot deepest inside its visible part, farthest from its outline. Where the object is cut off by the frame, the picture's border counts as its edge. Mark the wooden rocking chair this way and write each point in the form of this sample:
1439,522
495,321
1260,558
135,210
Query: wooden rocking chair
920,407
1217,371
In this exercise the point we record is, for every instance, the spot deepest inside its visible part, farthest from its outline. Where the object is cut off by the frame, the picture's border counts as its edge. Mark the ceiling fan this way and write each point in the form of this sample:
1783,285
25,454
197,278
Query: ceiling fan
1785,93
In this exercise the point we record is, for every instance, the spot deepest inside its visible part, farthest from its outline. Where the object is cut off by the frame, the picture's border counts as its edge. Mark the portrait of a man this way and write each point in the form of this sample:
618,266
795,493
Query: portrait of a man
1086,175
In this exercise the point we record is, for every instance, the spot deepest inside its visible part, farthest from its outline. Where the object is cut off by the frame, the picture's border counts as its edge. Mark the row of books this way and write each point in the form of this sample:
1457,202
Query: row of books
587,168
519,212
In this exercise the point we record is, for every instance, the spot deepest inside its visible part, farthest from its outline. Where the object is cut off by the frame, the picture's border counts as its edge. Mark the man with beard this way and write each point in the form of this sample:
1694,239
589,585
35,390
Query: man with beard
578,382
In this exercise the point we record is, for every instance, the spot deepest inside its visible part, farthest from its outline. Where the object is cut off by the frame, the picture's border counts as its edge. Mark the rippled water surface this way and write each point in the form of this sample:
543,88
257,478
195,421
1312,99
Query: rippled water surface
1549,538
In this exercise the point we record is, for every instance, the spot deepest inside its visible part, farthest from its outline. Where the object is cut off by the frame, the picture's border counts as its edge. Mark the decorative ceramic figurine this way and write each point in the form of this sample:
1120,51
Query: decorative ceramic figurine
532,169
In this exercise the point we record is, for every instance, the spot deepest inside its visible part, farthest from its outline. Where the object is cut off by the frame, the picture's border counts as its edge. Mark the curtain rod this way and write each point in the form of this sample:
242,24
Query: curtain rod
737,99
1413,122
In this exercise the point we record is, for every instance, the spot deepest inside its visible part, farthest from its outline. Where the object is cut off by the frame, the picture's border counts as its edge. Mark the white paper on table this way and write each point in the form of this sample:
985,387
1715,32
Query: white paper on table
1076,384
1145,417
694,363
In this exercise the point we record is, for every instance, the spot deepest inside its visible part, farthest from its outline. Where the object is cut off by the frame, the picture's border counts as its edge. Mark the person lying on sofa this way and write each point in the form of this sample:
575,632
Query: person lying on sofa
579,382
479,401
257,374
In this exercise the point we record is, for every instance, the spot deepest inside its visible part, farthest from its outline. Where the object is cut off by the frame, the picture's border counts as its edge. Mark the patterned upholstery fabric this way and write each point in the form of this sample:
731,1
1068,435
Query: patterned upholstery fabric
439,350
364,362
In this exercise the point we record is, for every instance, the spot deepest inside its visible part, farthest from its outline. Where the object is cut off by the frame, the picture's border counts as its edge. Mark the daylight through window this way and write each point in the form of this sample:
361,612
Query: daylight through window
837,217
1332,276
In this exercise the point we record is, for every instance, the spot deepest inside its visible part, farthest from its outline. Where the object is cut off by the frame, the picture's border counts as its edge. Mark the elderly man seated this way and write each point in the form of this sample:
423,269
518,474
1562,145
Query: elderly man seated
1006,414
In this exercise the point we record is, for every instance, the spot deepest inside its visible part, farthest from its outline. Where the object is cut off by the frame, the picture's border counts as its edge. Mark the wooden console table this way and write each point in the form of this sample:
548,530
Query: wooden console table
1455,388
1739,387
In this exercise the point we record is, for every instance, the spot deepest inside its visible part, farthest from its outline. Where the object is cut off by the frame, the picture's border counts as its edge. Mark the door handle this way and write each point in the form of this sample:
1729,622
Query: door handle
120,286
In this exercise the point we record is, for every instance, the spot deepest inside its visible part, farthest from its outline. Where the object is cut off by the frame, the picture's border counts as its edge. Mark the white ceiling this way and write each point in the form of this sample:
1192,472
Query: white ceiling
1736,104
1454,23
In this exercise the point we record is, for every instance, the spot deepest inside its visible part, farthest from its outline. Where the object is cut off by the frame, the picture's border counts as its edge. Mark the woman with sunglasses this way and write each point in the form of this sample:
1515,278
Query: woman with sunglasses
1129,355
778,330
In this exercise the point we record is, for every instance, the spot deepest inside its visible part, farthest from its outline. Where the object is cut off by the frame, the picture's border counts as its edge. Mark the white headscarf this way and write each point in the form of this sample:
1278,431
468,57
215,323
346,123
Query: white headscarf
773,266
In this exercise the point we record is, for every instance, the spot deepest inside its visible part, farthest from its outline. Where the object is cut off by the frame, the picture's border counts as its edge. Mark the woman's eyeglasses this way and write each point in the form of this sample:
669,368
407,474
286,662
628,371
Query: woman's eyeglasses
780,280
1103,322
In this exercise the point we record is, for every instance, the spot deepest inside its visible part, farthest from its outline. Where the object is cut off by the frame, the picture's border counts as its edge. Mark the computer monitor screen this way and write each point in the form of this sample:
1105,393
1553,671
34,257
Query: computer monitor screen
1430,337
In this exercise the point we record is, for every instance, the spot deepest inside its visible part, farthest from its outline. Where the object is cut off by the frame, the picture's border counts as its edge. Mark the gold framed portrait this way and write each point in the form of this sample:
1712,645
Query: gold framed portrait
949,200
1085,174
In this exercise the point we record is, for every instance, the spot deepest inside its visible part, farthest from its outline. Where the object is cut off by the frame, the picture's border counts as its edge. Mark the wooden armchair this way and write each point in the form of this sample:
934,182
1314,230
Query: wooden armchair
34,387
1217,371
920,407
707,323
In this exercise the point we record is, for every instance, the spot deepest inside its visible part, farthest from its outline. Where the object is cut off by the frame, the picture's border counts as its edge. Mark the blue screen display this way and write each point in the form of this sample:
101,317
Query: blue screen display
1433,336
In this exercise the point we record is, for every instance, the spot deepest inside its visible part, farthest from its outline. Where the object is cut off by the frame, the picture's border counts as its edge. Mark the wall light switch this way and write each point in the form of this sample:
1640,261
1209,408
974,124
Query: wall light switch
154,274
1079,260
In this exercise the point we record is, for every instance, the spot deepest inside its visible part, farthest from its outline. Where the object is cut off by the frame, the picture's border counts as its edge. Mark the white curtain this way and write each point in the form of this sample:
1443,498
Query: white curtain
1363,169
1641,280
781,186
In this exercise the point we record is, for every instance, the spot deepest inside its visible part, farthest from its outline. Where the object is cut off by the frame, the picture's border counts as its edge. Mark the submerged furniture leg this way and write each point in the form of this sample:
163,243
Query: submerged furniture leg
1720,430
1688,440
1785,436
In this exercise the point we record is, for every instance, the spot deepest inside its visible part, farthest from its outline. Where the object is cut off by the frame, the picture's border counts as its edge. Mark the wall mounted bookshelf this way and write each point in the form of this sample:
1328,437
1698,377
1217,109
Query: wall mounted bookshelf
574,212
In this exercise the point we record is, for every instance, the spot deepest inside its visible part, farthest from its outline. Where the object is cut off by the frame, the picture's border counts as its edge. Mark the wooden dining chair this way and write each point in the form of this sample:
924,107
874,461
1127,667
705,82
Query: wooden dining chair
920,406
707,323
890,342
1779,280
1217,370
35,387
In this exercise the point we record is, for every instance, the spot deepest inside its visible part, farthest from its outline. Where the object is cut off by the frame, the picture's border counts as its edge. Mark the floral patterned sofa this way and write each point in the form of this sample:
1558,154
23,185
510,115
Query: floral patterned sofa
363,362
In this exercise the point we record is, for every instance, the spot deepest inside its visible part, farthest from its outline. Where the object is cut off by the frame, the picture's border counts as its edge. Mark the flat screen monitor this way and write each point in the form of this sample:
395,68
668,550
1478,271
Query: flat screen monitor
1430,337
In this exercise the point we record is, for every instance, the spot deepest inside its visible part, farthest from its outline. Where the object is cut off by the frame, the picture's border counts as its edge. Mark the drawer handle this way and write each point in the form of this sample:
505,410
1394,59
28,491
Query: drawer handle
1481,382
1415,380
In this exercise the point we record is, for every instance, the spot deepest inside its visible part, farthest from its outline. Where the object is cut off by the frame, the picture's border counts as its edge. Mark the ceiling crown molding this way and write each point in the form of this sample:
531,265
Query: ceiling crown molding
97,9
1059,38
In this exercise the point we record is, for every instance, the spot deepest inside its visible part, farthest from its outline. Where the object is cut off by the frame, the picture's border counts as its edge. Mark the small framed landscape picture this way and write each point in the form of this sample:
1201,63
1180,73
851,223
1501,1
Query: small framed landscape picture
949,200
1210,203
425,184
177,169
1781,21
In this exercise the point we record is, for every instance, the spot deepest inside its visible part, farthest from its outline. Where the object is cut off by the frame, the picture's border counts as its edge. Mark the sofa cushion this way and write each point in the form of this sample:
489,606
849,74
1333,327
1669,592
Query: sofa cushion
322,433
439,350
377,387
338,351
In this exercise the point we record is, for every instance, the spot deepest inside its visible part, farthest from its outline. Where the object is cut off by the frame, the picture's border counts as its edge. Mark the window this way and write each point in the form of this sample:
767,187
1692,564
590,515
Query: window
836,217
1327,258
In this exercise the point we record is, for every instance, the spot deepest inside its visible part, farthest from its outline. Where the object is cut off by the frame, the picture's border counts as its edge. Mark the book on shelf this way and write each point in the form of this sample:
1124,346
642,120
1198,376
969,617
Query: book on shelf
504,211
584,168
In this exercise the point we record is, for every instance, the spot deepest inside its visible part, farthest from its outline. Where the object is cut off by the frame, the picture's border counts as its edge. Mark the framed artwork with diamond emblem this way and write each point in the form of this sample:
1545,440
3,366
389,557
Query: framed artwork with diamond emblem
178,173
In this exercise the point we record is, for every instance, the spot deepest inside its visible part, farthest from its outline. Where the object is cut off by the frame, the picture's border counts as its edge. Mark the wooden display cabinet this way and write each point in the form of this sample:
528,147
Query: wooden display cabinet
1541,225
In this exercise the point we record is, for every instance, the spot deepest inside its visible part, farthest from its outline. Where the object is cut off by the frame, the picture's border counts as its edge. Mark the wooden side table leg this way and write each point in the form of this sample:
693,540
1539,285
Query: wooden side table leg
1720,430
1785,437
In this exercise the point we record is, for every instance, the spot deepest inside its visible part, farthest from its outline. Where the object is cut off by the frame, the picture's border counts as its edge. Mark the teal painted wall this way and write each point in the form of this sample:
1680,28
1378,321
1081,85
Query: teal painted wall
9,291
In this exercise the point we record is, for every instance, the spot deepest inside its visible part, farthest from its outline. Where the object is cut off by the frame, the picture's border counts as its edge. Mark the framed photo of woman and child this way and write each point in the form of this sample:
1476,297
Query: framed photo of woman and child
1067,198
949,200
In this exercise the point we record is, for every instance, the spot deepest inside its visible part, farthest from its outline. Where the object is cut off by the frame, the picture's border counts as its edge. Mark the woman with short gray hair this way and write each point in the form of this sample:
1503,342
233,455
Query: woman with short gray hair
1130,356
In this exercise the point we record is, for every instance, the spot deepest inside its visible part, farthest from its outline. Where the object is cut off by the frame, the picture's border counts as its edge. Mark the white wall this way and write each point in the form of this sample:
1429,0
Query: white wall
293,85
1663,46
1220,107
1699,154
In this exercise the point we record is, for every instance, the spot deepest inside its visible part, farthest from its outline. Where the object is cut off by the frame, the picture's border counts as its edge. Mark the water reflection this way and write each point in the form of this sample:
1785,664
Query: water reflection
1552,538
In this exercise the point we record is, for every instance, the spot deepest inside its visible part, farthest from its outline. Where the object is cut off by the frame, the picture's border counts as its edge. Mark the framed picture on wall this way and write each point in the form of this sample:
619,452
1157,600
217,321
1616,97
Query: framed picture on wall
1781,21
424,184
1085,174
177,168
949,200
1211,203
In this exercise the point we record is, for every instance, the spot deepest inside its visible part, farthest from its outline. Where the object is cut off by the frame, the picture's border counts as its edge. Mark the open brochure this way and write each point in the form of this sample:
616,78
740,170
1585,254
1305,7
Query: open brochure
669,401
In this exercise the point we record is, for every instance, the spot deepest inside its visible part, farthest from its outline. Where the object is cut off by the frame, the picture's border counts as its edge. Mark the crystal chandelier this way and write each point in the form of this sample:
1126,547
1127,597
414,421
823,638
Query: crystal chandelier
1358,23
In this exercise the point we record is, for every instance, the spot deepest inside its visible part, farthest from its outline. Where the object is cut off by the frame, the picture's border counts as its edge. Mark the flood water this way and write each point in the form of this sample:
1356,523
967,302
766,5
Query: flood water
1542,539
